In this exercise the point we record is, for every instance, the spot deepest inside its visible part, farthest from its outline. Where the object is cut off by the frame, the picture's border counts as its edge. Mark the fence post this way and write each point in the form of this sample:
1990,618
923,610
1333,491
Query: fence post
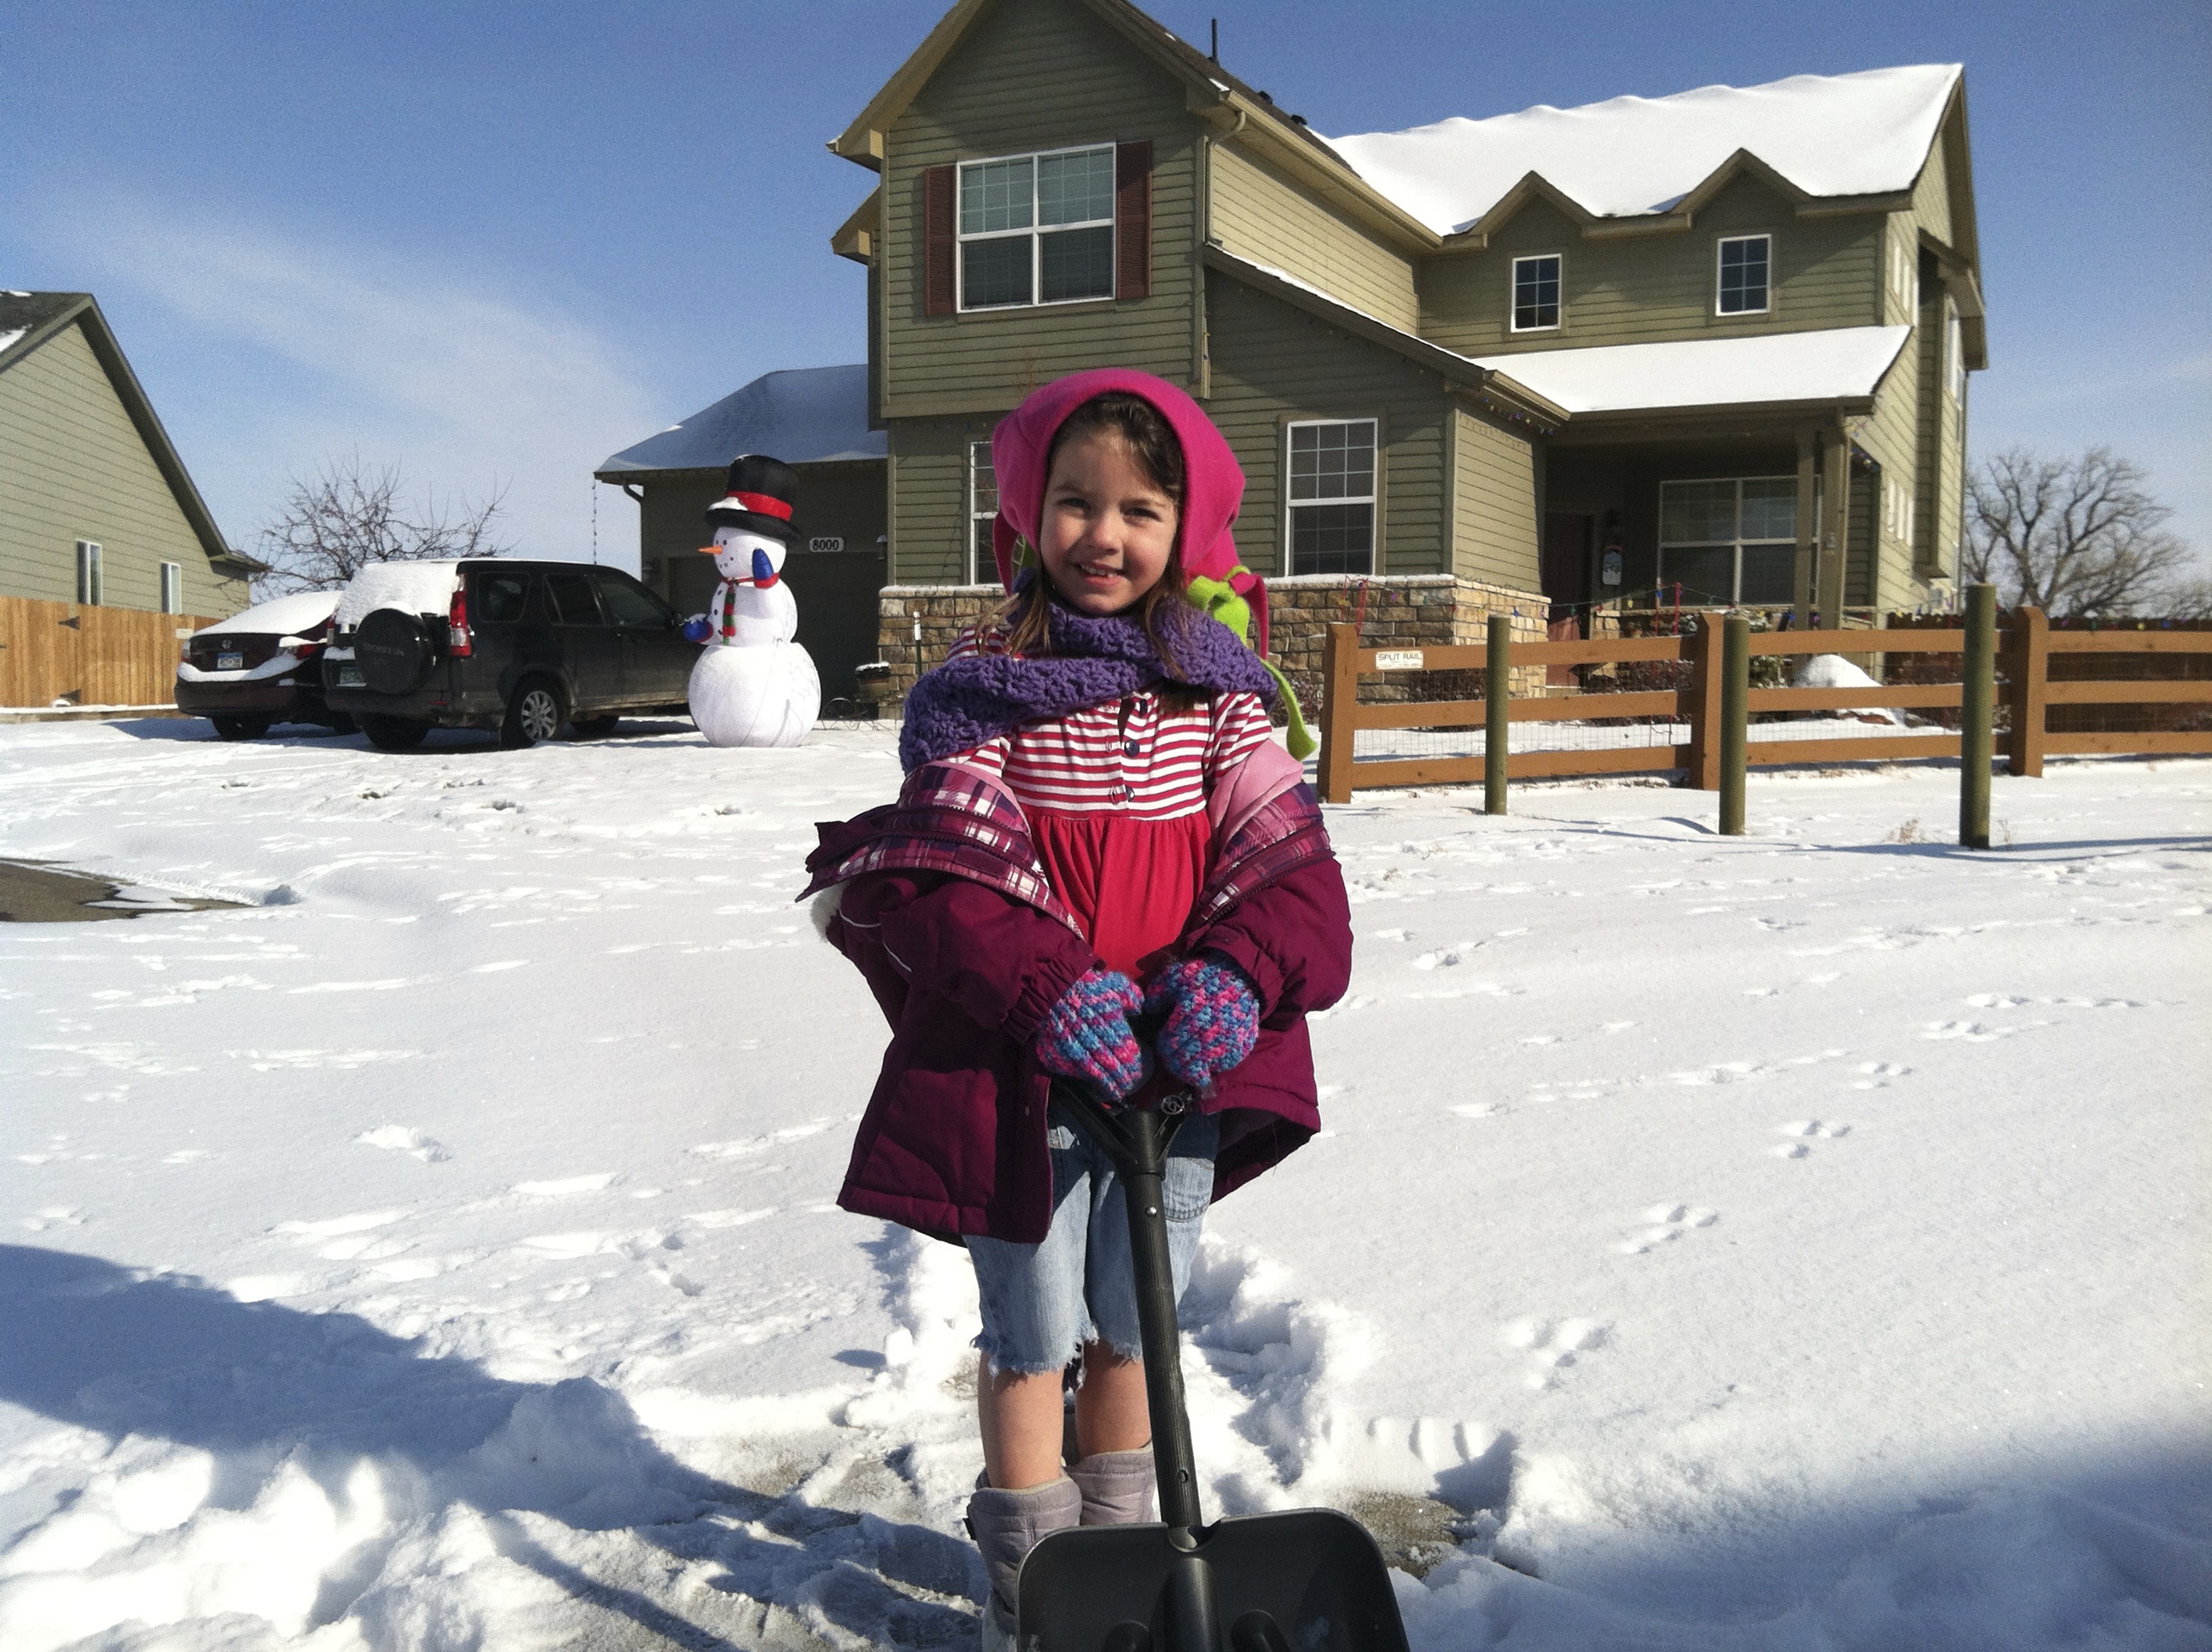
1705,704
1497,716
1976,697
2030,670
1339,699
1735,717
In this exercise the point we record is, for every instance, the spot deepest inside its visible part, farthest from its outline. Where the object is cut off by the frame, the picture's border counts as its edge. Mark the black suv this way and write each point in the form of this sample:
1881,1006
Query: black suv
518,648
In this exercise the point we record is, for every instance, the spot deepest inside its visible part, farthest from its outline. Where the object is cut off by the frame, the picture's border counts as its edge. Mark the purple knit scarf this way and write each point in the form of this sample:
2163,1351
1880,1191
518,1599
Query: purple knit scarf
978,697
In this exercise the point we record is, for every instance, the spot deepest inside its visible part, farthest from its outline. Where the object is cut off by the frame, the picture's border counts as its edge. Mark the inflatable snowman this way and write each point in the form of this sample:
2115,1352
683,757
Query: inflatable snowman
753,684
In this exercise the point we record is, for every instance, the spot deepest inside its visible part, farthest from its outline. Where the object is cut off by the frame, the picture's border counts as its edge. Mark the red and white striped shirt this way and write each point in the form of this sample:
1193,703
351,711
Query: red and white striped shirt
1130,756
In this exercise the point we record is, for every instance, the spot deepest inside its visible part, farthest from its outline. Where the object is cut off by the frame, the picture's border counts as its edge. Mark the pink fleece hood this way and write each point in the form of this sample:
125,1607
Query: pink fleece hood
1213,484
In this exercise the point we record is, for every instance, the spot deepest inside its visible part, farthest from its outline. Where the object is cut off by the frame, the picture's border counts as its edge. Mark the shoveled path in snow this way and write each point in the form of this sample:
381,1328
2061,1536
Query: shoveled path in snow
1790,1241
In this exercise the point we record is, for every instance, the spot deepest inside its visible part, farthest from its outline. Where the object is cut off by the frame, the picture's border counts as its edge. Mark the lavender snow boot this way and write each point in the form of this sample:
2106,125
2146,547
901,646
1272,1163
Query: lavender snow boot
1116,1486
1008,1525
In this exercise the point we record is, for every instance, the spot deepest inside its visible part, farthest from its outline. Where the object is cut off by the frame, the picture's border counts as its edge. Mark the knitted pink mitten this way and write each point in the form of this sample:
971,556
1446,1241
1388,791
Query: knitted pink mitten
1213,1018
1086,1034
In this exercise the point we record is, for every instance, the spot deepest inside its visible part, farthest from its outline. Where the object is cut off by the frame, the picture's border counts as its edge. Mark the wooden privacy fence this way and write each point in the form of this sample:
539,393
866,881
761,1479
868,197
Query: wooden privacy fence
89,656
1703,726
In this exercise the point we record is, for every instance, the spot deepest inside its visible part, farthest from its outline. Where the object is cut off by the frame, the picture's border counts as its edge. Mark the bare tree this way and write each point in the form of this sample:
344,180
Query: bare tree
2071,537
350,515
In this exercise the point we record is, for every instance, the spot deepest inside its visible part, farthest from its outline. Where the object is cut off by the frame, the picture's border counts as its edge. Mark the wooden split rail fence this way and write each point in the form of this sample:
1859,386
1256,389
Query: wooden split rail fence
1716,703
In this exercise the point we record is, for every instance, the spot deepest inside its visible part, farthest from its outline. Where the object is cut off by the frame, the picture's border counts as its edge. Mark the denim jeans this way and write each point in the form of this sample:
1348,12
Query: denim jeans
1042,1302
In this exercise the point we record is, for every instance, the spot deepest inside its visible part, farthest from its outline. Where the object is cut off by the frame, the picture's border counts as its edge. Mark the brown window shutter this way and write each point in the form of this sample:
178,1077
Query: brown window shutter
1132,220
938,244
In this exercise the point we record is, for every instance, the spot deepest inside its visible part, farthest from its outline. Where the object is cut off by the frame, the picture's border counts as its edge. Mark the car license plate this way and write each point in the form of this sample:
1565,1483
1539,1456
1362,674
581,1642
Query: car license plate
350,677
230,662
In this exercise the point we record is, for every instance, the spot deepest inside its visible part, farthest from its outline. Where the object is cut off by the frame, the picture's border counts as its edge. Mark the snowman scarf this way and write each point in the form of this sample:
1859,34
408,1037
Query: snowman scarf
1094,660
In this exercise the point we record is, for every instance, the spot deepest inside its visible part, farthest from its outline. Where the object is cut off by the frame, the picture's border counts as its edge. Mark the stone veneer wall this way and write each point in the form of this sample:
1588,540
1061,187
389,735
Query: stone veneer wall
916,623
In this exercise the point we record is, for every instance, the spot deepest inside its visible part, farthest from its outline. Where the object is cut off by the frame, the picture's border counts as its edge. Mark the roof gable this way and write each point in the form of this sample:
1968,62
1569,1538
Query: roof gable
30,320
1821,136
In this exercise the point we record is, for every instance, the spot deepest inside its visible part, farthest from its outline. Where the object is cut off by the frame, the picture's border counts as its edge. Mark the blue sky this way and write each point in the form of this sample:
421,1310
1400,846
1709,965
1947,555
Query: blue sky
496,242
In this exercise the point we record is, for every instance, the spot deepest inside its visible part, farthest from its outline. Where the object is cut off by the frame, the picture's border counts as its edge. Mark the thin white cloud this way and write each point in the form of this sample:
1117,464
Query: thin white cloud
470,390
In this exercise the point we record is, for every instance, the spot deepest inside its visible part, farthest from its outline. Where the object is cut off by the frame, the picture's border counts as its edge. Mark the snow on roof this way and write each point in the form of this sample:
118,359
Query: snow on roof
280,616
411,587
1783,367
802,416
7,338
1861,134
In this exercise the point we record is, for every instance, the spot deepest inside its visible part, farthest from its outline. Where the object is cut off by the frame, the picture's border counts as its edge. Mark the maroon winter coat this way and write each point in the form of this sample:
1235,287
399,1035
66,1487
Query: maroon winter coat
946,913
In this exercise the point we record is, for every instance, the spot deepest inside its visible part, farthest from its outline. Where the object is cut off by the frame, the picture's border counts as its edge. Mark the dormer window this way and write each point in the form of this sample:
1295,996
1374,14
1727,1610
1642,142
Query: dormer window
1744,263
1037,229
1536,293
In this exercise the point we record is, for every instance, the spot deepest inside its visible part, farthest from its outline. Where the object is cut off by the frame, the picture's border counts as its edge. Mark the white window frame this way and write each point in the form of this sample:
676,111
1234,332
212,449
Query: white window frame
961,239
1955,353
981,568
1721,245
1373,499
91,578
1738,544
172,587
1559,296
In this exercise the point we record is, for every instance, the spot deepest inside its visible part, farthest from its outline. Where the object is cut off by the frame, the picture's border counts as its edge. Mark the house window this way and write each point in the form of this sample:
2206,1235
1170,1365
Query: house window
982,506
1898,508
89,581
1536,293
1331,497
1954,352
1037,229
172,587
1743,282
1732,540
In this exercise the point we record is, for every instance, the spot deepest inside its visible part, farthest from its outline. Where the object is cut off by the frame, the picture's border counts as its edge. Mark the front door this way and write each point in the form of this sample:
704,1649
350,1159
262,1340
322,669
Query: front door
1566,572
656,660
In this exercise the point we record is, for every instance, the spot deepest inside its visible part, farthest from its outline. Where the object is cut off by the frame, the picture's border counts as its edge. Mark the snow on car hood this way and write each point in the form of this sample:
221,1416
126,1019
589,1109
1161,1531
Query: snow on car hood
284,616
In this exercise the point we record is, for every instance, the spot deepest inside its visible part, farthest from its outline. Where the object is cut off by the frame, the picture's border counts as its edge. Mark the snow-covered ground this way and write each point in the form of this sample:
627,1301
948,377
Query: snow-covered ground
1788,1242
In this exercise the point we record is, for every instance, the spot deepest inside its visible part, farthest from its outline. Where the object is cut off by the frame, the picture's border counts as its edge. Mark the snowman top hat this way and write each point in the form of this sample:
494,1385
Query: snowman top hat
759,500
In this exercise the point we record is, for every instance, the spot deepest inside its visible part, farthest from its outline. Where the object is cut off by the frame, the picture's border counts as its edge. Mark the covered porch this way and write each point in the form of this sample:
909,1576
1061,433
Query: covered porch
1711,473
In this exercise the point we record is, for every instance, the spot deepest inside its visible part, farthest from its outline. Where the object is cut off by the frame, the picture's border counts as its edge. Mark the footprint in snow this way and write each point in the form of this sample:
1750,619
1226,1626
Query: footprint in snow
1445,958
1877,1074
1668,1223
1477,1110
1802,1133
1553,1345
1972,1032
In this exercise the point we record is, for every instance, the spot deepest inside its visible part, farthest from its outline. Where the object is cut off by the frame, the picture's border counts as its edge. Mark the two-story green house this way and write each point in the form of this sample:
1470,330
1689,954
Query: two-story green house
1714,344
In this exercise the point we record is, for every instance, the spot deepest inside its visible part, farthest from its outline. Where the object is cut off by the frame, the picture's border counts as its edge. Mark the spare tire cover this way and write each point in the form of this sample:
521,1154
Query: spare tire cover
394,652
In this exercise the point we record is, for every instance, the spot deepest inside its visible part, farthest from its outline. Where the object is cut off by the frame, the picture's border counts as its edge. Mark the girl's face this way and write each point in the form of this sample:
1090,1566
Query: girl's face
1108,529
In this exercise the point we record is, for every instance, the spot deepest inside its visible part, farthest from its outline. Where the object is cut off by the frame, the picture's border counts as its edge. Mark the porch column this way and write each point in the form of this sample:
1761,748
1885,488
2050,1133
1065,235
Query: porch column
1835,523
1808,526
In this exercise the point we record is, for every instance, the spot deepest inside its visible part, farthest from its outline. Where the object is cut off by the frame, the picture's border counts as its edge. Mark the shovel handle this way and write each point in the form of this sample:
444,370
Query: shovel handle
1137,1141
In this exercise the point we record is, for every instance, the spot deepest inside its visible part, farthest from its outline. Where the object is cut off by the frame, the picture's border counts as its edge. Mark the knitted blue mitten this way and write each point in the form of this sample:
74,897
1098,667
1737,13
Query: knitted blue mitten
1213,1018
1086,1034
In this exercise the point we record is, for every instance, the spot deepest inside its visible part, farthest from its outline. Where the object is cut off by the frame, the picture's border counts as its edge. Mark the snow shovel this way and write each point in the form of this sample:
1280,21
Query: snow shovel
1309,1579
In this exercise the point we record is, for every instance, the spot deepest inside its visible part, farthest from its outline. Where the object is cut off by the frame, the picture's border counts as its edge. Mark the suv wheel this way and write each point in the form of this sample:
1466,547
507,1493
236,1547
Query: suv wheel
392,733
240,728
535,713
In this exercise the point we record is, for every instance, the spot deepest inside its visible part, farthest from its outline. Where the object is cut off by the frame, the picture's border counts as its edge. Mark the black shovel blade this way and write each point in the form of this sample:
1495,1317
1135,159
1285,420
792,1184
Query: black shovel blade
1308,1581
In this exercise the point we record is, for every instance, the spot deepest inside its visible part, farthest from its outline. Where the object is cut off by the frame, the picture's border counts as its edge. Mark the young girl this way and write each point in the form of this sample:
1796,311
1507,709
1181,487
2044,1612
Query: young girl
1095,825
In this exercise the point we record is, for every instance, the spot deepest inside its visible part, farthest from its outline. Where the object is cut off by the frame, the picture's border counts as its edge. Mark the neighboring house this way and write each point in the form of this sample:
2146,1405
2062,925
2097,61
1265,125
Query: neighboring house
95,506
1724,335
816,420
